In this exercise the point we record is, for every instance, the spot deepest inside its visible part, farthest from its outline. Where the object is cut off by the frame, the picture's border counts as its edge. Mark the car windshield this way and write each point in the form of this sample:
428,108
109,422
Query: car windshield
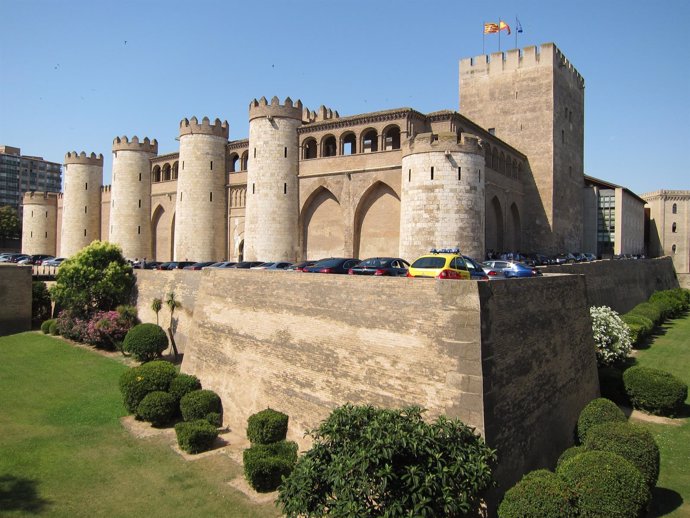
376,262
328,263
429,262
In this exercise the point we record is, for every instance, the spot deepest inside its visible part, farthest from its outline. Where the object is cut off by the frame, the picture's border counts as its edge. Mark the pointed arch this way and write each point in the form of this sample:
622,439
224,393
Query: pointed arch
377,222
494,226
156,231
322,228
514,229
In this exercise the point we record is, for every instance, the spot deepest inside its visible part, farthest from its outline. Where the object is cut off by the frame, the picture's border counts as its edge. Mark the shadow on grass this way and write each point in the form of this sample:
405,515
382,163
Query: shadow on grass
20,494
664,501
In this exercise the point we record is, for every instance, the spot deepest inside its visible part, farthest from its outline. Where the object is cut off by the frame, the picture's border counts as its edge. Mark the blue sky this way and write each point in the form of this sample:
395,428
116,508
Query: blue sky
73,75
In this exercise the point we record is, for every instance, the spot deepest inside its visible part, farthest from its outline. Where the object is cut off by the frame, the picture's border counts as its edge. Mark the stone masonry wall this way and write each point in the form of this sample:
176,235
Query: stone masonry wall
622,285
15,294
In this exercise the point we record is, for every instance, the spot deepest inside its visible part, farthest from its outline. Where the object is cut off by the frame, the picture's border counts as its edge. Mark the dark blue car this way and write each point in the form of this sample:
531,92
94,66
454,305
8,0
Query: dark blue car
520,270
332,265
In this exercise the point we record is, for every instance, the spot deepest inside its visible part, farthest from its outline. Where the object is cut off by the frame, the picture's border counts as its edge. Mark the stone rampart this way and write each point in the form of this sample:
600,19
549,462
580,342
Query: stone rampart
684,280
622,285
15,294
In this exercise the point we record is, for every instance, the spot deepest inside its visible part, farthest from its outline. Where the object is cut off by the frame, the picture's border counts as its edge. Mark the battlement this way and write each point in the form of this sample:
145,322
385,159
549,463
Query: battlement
288,110
442,143
547,55
72,157
192,126
124,144
106,188
322,114
40,198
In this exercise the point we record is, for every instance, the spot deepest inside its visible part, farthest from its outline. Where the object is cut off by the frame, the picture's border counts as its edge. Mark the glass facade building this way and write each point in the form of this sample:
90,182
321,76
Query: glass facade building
19,174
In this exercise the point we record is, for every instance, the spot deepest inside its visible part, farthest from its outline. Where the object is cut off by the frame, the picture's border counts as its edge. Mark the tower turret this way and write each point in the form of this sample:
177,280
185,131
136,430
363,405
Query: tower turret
272,213
81,212
200,218
130,208
39,223
442,195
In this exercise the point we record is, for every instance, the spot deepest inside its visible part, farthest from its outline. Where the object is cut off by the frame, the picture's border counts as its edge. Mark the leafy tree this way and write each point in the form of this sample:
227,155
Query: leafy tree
10,226
97,278
156,305
40,301
172,304
367,462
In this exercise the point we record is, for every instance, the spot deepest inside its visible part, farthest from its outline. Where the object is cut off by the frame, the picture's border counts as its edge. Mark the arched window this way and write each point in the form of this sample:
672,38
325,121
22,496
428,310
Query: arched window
234,162
348,144
487,156
370,141
515,169
674,209
309,149
245,161
156,174
166,172
328,146
391,138
673,227
502,163
494,160
673,249
174,170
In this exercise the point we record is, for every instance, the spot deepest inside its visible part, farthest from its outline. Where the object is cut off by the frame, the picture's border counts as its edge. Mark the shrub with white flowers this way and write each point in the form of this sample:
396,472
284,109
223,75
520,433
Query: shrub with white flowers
611,335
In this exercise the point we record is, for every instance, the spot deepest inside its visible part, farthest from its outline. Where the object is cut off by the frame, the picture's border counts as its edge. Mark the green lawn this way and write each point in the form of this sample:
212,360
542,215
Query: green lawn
671,352
63,451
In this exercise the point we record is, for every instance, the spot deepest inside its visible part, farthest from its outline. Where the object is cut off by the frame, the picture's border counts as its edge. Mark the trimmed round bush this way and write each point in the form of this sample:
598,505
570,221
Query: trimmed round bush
267,426
570,453
182,385
672,301
157,408
640,327
199,404
647,310
543,496
146,342
655,391
631,442
53,328
265,465
137,382
597,411
195,436
45,326
214,418
606,484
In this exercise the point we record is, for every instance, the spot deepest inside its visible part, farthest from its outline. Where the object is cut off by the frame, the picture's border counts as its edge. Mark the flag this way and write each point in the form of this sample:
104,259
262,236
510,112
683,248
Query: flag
490,28
518,25
503,26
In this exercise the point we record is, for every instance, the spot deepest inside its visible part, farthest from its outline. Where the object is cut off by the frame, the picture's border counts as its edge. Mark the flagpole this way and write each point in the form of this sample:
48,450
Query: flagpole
483,37
499,34
516,31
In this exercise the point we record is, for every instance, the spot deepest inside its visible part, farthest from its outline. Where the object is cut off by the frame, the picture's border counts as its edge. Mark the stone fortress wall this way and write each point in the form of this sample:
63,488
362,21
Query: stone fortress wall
39,223
15,294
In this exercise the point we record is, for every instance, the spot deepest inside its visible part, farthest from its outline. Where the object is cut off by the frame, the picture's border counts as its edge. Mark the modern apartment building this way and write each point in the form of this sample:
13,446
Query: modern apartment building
20,173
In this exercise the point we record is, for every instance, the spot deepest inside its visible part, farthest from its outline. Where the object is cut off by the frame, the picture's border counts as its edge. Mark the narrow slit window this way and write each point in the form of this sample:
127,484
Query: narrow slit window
32,233
86,186
285,188
183,164
46,214
85,210
210,196
46,235
253,188
479,174
32,214
409,175
84,232
139,229
432,172
254,152
211,165
459,173
140,177
139,203
285,152
180,196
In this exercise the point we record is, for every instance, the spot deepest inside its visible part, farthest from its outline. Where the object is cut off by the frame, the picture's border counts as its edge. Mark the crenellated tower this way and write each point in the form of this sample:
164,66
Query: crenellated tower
39,223
533,99
272,213
130,206
442,196
81,212
200,217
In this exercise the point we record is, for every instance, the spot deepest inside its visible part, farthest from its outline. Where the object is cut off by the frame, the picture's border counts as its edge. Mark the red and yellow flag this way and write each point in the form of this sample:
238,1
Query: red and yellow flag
503,26
490,28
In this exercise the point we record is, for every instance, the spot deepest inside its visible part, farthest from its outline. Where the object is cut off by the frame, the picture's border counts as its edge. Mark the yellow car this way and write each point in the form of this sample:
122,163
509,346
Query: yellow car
442,264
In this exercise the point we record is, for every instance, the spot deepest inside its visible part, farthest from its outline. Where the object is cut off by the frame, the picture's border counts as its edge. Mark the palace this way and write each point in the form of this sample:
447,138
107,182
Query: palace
504,172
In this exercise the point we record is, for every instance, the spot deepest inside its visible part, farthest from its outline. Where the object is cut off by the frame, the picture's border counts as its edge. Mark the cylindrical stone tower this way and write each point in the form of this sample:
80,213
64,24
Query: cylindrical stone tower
200,216
81,209
442,196
39,223
272,207
130,208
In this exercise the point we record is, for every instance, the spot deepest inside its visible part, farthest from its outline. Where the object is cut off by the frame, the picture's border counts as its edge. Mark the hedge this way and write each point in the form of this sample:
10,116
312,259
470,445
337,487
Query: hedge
53,328
570,453
195,436
633,443
158,408
640,326
182,385
201,404
136,382
672,300
267,426
606,484
265,465
45,326
655,391
146,342
543,496
597,411
648,310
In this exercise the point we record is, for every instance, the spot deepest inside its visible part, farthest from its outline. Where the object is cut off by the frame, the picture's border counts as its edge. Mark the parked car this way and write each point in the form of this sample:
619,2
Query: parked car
16,258
518,269
442,264
280,265
299,267
246,265
381,266
150,265
477,273
495,268
54,262
164,266
564,258
198,266
36,259
590,257
8,257
339,265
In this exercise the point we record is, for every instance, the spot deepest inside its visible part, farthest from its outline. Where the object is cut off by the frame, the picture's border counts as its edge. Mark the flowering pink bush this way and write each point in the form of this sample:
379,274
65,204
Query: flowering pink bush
107,329
71,326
